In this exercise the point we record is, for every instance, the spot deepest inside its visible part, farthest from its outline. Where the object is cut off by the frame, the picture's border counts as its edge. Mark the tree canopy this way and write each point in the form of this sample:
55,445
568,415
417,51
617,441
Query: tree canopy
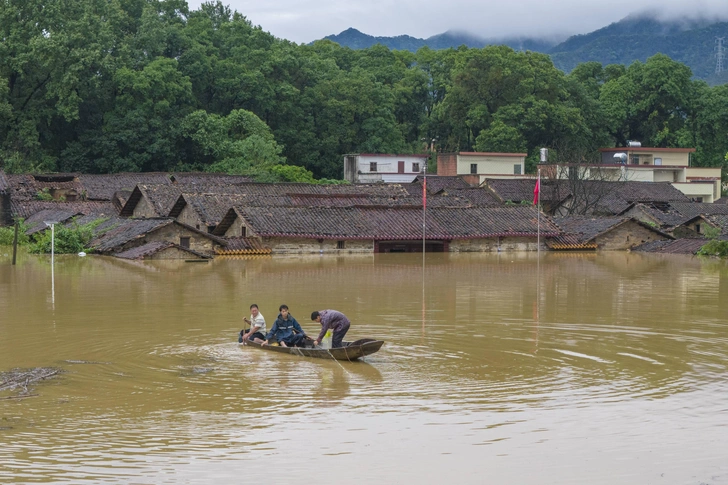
103,86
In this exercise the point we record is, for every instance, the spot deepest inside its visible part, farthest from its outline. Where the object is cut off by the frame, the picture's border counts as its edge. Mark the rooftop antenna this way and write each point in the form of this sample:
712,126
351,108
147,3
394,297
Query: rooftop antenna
719,54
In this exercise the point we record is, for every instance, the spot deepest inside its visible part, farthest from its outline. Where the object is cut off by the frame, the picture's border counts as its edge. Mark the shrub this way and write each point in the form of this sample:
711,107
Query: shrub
44,194
8,233
69,239
714,248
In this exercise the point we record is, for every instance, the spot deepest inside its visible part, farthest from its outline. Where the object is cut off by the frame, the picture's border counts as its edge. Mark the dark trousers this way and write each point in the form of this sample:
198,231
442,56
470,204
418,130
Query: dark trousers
252,337
338,336
295,340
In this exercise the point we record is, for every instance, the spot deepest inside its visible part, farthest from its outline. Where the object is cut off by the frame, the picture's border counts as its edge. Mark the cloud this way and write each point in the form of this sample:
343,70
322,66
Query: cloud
308,20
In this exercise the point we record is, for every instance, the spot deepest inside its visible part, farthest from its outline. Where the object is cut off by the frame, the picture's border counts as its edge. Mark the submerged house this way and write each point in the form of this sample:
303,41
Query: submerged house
161,250
132,233
391,229
603,233
37,222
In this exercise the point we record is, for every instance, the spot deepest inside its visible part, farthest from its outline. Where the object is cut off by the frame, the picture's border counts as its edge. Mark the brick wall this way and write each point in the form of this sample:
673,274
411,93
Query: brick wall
626,236
504,244
280,245
447,164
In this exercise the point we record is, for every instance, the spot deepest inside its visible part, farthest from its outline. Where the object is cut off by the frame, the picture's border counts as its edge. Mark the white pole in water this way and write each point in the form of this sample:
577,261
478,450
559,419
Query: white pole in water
52,225
424,209
424,248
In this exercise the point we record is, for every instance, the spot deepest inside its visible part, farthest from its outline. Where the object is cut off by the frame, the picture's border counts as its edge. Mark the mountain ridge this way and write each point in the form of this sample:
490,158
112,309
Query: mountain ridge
634,38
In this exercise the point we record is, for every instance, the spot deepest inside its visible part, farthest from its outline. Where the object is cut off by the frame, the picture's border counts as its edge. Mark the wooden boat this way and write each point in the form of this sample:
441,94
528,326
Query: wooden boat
350,351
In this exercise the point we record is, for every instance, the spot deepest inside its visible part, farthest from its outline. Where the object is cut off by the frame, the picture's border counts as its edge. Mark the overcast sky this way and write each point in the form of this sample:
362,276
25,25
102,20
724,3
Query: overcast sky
303,21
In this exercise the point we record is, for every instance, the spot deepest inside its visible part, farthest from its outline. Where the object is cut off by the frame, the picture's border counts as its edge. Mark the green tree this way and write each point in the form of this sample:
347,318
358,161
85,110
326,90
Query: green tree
239,143
649,102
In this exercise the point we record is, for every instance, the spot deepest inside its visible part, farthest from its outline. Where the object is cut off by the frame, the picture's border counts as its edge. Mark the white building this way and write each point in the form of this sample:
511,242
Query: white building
367,168
646,164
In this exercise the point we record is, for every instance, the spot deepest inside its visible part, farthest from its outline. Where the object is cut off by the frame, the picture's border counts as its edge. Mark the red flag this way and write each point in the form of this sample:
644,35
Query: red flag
424,193
536,191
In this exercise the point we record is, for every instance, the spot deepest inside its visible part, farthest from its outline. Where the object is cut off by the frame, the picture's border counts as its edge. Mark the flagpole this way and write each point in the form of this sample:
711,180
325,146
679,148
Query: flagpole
538,216
424,213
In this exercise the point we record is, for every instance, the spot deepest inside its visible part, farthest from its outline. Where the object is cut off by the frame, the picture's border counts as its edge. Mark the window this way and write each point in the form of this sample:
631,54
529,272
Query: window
658,161
340,244
415,167
184,242
697,228
473,168
372,166
517,169
635,160
244,231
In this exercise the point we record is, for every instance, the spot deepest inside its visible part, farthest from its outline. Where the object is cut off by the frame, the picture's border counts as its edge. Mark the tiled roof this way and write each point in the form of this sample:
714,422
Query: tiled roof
36,222
25,187
161,197
436,183
210,208
103,186
25,209
3,182
692,209
514,190
722,200
204,178
617,195
663,214
585,229
395,223
154,247
678,246
649,192
126,231
477,196
719,220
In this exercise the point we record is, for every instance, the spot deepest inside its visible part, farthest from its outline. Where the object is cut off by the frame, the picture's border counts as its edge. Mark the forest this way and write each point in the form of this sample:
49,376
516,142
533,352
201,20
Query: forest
104,86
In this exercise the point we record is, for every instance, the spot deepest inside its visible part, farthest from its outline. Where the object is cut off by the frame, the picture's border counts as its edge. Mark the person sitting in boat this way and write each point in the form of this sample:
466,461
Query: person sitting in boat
257,326
286,330
336,321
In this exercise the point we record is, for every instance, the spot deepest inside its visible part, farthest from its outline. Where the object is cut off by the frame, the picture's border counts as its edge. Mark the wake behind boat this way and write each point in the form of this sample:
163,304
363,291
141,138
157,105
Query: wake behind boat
350,351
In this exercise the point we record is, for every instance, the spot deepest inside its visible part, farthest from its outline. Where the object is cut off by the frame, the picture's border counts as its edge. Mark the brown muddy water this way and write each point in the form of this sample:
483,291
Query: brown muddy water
579,368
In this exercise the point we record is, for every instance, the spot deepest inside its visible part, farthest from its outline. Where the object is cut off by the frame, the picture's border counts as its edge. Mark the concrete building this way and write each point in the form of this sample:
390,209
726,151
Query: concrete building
483,165
647,164
368,168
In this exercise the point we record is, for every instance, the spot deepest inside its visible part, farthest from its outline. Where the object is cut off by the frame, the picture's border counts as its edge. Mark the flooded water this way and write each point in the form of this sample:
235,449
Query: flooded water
578,368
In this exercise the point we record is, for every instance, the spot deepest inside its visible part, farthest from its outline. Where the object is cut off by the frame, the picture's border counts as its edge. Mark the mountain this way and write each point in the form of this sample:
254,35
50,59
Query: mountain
355,39
634,38
637,38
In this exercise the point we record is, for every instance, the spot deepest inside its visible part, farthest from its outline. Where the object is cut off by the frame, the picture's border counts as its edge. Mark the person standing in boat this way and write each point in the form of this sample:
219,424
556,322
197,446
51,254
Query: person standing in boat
257,326
331,319
286,330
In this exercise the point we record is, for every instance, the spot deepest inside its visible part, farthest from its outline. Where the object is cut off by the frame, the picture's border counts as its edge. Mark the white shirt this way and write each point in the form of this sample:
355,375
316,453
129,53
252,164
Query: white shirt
258,323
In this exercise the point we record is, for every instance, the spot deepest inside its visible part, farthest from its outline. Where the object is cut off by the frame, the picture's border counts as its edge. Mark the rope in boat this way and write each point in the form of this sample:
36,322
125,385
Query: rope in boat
335,360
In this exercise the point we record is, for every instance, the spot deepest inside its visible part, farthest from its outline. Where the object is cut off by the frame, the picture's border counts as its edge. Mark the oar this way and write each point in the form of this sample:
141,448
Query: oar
240,340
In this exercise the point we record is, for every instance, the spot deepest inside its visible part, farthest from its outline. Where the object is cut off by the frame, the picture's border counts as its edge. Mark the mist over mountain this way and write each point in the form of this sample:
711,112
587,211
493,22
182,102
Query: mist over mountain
691,41
355,39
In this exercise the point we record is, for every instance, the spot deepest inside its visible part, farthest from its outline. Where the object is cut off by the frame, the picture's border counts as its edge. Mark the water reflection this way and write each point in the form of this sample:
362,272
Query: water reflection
585,355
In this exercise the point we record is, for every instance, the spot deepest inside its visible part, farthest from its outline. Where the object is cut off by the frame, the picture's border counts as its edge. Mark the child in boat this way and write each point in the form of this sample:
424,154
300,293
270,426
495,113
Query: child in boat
257,326
286,330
